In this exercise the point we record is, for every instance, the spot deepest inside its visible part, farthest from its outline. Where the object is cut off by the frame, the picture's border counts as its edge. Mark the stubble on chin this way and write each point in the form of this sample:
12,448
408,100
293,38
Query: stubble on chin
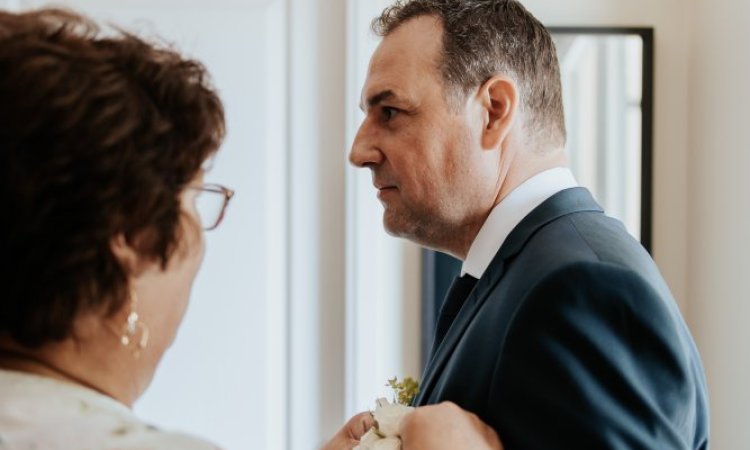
412,226
430,230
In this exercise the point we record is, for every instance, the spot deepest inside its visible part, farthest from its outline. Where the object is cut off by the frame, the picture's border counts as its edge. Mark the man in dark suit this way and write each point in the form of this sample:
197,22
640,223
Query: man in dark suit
560,333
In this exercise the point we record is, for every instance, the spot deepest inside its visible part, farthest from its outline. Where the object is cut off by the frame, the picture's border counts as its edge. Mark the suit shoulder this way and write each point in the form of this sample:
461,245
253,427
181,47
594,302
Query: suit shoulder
593,346
587,236
609,306
585,285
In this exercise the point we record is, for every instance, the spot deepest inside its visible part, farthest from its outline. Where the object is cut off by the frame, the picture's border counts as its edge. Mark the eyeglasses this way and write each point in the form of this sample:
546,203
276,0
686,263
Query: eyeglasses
211,204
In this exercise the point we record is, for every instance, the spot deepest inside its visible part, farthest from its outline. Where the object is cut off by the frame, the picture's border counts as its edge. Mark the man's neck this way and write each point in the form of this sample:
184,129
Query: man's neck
517,173
522,169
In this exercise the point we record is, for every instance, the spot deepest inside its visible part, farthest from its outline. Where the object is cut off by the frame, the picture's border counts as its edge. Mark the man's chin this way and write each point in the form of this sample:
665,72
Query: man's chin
394,224
419,231
399,226
391,227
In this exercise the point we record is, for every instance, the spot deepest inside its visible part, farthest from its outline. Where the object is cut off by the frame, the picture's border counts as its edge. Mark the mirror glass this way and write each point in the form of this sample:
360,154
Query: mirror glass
603,91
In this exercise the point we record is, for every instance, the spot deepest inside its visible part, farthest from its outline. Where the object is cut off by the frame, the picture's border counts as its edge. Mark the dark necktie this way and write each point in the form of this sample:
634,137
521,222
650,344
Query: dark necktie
454,300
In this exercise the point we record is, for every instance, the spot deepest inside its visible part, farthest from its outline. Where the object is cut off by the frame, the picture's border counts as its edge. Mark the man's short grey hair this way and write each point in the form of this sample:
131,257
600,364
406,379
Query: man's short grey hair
483,38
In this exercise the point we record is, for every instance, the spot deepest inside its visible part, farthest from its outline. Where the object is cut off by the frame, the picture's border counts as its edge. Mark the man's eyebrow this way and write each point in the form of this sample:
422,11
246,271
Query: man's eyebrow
376,99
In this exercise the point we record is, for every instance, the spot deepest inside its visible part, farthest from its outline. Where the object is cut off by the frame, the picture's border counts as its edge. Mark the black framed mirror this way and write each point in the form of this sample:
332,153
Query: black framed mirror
608,82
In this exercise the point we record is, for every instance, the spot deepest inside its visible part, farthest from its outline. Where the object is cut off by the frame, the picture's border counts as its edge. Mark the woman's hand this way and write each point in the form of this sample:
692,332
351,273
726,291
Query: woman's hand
349,435
446,426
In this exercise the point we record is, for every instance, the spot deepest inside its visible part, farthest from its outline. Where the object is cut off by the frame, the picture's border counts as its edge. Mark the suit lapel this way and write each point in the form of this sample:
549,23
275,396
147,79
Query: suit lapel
469,309
561,204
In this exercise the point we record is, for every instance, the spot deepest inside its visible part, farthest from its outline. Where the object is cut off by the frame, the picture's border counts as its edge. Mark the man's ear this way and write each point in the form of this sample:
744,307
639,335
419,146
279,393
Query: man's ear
499,100
126,254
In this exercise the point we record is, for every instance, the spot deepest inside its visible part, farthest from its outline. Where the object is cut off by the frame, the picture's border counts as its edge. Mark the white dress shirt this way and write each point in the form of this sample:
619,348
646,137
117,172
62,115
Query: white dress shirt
510,212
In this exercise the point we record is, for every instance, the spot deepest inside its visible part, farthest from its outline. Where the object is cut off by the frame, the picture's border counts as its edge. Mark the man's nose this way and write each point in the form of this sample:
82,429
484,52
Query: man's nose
365,151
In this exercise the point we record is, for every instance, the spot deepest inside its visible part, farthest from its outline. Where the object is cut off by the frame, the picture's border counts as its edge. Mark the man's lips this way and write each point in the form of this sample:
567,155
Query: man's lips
385,190
379,186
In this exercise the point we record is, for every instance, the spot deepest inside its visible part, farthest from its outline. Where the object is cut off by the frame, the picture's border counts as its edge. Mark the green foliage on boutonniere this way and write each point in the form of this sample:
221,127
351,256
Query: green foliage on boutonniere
404,391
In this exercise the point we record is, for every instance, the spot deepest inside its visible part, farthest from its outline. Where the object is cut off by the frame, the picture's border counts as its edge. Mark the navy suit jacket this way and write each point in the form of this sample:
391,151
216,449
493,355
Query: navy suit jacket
572,340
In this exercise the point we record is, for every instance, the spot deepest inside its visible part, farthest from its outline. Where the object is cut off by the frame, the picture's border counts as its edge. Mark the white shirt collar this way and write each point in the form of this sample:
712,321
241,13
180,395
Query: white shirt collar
507,214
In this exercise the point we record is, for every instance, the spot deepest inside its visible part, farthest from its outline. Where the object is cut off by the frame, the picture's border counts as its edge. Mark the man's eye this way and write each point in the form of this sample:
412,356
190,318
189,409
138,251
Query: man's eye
388,113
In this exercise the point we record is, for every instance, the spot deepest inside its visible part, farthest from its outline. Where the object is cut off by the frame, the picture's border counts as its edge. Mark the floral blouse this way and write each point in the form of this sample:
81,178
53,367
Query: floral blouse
41,413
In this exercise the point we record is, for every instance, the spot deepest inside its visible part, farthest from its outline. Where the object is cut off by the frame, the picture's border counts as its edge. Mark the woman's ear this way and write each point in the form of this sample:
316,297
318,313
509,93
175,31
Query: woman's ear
125,254
499,100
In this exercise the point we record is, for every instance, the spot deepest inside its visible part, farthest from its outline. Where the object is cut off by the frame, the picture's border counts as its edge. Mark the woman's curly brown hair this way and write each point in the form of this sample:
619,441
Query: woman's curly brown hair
99,135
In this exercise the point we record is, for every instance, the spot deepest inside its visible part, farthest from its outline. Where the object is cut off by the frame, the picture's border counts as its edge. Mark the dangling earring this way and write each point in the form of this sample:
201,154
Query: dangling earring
133,327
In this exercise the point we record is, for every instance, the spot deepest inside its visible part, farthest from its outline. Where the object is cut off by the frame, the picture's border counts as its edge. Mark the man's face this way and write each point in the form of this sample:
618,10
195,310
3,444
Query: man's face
425,154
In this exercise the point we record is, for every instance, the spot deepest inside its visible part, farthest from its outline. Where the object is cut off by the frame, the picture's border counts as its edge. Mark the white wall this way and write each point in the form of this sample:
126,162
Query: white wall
719,217
317,226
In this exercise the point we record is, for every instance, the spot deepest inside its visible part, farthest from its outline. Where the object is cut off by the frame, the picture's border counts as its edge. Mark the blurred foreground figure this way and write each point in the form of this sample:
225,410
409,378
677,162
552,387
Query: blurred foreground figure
102,142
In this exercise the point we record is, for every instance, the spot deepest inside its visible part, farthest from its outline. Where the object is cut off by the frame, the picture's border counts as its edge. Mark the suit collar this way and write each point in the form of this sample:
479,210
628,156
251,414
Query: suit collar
563,203
507,214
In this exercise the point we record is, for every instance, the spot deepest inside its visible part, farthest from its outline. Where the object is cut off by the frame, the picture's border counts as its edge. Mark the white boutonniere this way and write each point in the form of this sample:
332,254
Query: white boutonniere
384,435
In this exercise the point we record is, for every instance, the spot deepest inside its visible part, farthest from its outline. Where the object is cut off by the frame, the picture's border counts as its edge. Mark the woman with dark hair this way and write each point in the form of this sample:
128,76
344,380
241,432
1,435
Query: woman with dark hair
102,144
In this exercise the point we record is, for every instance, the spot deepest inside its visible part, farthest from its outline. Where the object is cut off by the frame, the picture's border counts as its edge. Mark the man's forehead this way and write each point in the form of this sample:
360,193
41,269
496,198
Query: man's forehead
404,60
417,42
388,78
